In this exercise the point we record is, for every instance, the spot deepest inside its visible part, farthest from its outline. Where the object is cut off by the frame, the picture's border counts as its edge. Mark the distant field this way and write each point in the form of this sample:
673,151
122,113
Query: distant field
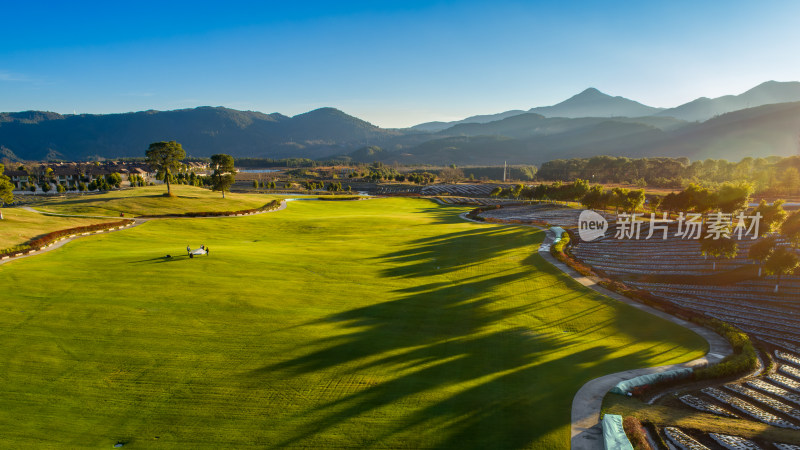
19,225
378,324
149,200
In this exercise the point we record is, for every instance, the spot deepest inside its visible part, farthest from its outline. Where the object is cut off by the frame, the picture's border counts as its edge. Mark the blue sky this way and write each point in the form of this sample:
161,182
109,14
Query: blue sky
391,63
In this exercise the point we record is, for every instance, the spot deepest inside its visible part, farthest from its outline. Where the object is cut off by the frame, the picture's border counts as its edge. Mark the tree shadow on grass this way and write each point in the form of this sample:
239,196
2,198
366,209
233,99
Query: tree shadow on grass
455,365
454,251
160,259
443,214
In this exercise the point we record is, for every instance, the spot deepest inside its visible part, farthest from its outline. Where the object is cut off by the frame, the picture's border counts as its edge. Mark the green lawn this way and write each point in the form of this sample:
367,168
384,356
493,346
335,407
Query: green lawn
150,200
18,225
384,323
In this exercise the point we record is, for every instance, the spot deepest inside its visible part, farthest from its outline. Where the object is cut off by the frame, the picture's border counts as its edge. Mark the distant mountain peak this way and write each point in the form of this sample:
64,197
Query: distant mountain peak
591,102
589,95
773,86
591,91
324,111
328,114
773,83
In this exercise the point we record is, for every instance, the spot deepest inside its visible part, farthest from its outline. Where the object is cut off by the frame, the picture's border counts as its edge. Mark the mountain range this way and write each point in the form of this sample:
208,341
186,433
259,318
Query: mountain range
593,103
763,121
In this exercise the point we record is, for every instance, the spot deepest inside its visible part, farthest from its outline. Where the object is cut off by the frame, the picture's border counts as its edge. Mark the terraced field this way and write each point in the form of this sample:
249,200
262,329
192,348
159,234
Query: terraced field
380,323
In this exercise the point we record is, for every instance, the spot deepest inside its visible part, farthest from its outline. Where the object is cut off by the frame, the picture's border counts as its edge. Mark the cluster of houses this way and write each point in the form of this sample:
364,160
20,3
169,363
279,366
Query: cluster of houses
71,173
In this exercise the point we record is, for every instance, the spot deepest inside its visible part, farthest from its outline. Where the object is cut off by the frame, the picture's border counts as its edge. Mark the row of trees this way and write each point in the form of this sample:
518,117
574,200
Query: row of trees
378,171
165,158
730,198
334,186
6,189
592,197
104,183
774,258
420,177
265,184
773,175
136,180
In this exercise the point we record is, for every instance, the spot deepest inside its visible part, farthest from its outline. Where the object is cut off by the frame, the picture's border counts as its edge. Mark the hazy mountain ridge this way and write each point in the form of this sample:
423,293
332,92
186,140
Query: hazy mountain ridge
202,131
518,137
758,132
484,118
703,108
596,136
531,124
589,103
593,103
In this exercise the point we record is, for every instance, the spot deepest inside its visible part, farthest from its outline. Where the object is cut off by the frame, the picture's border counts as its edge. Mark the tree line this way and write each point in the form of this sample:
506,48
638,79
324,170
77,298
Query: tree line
728,200
773,175
6,189
165,158
378,171
592,197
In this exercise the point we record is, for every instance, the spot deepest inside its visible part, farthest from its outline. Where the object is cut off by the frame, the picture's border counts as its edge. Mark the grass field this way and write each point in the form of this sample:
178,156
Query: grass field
19,225
380,324
150,200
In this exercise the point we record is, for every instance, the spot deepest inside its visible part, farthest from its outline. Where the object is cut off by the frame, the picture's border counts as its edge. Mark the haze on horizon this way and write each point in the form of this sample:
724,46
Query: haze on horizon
396,63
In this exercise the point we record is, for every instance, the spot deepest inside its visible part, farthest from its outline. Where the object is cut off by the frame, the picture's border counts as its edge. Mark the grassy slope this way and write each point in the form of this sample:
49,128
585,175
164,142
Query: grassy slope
381,323
19,225
150,200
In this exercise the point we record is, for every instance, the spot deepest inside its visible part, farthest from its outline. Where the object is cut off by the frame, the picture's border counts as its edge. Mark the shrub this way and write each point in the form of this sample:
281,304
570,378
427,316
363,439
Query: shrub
636,433
15,249
44,240
559,251
744,358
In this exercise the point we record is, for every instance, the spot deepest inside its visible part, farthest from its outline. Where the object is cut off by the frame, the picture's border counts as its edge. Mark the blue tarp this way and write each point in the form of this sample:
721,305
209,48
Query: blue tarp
625,387
558,231
614,437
